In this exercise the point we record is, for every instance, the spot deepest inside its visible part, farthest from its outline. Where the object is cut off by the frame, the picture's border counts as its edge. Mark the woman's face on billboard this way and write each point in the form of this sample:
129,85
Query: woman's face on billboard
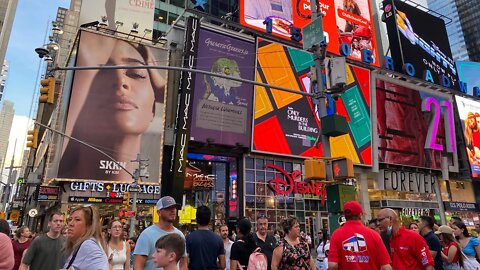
126,95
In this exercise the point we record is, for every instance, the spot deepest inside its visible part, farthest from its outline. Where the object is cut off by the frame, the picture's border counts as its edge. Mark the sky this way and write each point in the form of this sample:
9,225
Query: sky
28,32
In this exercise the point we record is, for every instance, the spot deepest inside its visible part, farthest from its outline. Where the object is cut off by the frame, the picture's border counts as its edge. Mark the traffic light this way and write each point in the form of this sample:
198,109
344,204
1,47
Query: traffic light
342,168
32,138
126,198
315,169
47,91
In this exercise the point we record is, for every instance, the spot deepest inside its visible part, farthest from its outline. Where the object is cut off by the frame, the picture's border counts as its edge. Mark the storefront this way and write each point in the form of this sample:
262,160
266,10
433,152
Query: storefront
459,200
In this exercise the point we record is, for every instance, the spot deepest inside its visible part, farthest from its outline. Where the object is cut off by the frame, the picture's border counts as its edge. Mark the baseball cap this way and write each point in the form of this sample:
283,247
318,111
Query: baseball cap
352,208
444,229
166,202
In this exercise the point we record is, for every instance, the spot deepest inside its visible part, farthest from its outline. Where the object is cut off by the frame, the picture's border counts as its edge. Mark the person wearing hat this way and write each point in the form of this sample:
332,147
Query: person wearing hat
145,247
409,250
451,256
354,246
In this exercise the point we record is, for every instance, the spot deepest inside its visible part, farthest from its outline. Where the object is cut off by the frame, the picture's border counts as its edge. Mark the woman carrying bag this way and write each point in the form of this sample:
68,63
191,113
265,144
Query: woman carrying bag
470,246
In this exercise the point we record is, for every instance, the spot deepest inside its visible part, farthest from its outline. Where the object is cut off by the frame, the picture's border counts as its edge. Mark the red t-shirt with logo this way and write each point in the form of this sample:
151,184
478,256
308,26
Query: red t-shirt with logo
409,251
354,246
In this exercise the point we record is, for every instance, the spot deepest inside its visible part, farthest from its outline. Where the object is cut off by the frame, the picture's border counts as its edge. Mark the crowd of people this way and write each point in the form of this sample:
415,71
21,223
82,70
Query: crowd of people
383,244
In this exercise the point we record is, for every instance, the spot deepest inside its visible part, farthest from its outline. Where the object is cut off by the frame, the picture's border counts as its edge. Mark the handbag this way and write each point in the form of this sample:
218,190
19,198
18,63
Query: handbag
470,263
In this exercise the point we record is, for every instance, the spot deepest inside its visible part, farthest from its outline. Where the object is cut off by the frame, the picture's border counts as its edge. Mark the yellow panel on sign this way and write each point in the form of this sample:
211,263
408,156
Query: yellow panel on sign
14,215
2,215
342,146
350,78
262,102
278,71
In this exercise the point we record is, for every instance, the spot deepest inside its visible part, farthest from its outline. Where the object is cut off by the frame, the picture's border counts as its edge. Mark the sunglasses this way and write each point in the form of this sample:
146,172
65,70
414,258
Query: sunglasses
87,208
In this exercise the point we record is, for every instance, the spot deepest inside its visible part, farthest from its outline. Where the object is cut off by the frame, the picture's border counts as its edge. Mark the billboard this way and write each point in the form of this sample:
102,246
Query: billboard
287,123
126,11
419,44
468,73
118,111
469,113
414,128
344,21
222,108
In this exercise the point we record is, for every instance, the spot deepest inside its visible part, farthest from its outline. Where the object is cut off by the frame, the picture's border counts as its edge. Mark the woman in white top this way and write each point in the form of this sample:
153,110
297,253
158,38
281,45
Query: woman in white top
323,238
118,250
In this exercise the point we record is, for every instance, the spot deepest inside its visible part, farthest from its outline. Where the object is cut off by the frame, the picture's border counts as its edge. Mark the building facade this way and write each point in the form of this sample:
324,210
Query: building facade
470,22
6,119
7,13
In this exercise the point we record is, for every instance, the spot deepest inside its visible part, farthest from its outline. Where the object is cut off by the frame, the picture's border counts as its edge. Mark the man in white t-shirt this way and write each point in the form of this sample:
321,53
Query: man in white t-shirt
227,243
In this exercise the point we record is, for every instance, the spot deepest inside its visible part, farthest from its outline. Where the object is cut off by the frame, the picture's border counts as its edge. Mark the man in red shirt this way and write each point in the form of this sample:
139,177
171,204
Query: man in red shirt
409,249
356,247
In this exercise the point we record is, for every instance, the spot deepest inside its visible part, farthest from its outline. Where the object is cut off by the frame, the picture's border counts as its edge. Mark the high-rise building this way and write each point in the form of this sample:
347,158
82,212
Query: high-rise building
7,13
469,15
6,119
3,77
454,28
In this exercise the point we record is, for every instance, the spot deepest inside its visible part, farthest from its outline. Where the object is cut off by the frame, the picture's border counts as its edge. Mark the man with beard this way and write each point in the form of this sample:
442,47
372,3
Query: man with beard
145,247
227,244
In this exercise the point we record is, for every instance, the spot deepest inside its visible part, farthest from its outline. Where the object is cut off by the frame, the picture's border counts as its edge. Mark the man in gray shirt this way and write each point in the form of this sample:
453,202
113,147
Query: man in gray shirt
45,251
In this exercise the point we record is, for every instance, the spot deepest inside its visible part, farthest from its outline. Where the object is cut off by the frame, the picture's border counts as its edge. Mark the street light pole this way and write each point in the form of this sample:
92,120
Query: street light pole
134,189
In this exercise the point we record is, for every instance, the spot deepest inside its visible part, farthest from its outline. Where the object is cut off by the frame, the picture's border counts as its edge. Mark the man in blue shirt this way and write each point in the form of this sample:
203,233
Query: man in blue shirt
425,226
145,247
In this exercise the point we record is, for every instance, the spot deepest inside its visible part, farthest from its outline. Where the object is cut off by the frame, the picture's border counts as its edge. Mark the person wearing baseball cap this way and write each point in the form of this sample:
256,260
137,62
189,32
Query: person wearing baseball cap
145,247
354,246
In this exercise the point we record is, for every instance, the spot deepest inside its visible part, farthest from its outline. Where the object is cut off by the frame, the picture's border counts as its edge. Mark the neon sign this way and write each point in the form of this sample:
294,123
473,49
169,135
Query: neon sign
284,183
430,104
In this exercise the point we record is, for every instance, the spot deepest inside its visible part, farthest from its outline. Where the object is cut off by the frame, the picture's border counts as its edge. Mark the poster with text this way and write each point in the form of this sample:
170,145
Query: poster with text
345,21
469,113
120,112
222,108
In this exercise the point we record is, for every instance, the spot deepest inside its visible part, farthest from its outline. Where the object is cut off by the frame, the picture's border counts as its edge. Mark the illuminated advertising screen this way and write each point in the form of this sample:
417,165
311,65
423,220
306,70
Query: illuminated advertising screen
414,127
222,108
287,123
118,111
468,74
419,44
469,113
345,21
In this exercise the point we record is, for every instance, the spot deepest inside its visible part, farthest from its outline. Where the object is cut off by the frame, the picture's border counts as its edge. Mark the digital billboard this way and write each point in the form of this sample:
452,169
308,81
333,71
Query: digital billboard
287,123
126,12
469,113
222,108
414,127
117,111
419,44
468,74
345,21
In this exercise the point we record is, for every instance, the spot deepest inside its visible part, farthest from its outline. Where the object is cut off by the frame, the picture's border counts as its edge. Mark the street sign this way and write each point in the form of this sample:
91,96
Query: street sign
134,188
312,33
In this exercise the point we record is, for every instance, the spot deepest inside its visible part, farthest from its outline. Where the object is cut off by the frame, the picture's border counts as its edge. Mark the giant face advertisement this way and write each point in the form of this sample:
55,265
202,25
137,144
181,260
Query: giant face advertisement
221,107
118,111
419,44
414,128
469,112
287,123
345,21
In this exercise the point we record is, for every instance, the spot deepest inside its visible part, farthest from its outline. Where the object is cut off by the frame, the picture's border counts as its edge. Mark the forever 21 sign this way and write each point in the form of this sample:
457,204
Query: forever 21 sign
405,181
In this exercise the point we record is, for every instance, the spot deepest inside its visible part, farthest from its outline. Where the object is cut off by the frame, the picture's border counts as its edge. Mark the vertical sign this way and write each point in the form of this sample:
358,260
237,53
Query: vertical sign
185,96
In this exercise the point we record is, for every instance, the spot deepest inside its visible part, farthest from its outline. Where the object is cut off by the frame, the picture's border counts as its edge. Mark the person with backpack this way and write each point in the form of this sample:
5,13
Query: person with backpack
265,241
293,251
245,254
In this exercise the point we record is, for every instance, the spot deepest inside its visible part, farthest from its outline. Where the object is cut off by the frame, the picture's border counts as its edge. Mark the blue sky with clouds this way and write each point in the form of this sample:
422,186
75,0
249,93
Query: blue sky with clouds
28,33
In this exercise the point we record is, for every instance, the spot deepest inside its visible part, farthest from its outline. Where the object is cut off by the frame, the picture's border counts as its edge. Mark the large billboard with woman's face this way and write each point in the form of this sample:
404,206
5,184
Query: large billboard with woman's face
118,111
469,113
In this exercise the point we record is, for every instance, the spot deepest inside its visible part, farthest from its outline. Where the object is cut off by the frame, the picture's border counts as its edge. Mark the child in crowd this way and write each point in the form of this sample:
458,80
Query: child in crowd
170,249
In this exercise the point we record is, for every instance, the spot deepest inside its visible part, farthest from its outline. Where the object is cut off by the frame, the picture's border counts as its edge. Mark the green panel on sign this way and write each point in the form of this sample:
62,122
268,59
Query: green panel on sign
359,116
337,195
301,60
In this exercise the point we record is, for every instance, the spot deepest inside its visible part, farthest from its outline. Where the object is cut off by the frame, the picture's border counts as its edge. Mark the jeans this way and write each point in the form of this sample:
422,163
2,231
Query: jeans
319,265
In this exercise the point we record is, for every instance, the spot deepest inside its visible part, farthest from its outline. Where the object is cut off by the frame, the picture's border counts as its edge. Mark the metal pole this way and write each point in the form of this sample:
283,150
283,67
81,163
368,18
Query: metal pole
136,175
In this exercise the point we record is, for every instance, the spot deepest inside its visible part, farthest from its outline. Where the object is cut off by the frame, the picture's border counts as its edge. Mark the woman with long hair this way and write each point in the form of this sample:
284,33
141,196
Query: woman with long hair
20,244
243,247
352,7
118,250
84,247
451,255
470,246
324,240
292,252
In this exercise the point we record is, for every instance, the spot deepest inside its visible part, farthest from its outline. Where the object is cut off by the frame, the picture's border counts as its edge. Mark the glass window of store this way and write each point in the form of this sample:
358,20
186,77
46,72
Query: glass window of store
261,199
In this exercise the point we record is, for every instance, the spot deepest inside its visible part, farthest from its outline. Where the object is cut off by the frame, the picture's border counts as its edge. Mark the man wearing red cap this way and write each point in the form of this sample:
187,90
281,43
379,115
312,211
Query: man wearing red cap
356,247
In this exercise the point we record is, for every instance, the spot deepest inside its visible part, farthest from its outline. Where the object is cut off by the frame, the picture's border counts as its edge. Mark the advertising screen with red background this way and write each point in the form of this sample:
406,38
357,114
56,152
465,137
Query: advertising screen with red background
347,21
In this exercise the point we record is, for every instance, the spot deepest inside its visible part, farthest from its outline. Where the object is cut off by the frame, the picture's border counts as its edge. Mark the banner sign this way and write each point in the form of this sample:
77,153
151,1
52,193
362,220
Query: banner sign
461,206
47,193
347,25
405,181
77,199
222,108
111,187
469,113
415,48
414,127
118,111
